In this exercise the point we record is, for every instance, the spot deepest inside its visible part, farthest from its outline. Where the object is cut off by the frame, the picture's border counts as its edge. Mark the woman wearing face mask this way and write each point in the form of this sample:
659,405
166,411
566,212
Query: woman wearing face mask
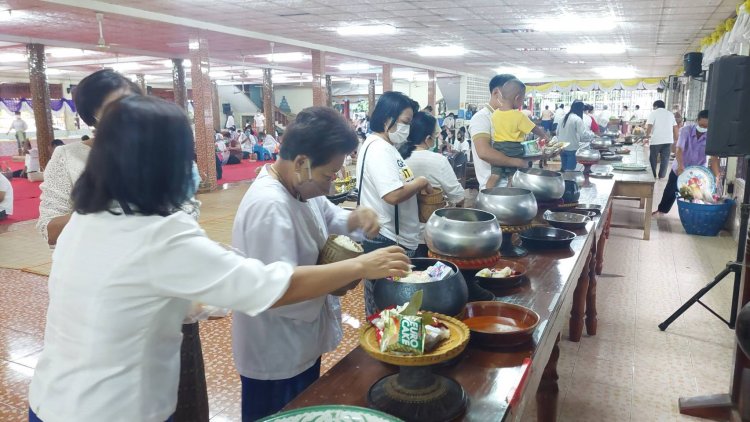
419,156
386,183
277,352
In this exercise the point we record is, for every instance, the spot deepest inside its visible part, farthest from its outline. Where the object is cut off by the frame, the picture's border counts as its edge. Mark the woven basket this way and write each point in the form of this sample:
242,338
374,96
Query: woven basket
429,203
704,219
333,252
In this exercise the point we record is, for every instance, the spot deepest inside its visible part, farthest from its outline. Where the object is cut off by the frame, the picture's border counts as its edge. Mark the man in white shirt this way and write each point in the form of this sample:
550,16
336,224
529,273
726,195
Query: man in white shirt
6,197
661,133
480,130
450,121
260,122
269,143
20,127
230,122
603,117
558,117
625,119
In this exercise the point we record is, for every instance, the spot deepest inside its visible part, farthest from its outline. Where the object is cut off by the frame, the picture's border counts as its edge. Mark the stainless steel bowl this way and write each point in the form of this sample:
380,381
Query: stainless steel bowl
566,220
511,206
588,155
447,296
546,185
463,233
601,143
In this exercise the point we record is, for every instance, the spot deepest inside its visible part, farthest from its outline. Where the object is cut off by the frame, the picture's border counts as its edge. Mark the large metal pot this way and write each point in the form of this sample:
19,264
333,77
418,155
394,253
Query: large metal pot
463,233
511,206
546,185
447,296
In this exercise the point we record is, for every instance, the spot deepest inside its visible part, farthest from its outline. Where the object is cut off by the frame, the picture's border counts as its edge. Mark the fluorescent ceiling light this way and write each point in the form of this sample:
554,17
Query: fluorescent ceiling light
596,48
615,72
285,57
441,51
574,23
185,63
363,30
53,72
218,74
356,66
12,57
124,67
63,53
521,72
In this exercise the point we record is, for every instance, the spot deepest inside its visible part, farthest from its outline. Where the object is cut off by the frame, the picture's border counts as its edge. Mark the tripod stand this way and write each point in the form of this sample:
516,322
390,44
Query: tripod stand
733,267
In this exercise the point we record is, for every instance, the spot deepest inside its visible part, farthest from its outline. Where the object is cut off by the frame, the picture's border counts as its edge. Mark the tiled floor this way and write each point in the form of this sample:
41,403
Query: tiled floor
629,372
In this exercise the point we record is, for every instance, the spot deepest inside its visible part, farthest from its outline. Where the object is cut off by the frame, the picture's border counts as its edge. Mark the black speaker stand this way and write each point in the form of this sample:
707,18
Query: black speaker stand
733,267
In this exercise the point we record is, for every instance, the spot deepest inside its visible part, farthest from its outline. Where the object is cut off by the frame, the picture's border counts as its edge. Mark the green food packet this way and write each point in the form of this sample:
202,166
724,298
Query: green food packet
404,334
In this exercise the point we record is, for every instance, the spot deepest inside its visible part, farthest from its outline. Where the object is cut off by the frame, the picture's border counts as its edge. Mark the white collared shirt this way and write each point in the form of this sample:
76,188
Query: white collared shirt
271,225
119,289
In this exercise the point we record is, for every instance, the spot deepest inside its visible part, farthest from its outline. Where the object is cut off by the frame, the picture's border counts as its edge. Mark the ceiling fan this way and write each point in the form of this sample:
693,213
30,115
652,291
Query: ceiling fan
101,43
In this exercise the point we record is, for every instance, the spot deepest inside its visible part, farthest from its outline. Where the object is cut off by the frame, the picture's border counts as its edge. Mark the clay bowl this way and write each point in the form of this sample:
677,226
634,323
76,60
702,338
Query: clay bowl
499,324
506,282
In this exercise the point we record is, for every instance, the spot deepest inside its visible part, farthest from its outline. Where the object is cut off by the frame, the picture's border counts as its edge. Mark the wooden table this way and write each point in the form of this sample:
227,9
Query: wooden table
636,184
488,376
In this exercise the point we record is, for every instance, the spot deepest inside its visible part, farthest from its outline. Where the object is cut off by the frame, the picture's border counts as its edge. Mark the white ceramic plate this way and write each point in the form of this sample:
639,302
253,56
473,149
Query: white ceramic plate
332,413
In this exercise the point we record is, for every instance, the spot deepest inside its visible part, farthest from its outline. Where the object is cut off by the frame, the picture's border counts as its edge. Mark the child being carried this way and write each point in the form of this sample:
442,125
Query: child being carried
510,127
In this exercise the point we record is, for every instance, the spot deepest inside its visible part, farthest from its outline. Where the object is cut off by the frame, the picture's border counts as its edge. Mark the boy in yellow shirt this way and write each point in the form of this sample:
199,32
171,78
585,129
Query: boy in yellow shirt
510,127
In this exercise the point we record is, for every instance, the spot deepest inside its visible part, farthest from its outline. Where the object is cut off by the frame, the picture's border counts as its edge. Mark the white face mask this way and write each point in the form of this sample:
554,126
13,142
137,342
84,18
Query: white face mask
701,129
399,136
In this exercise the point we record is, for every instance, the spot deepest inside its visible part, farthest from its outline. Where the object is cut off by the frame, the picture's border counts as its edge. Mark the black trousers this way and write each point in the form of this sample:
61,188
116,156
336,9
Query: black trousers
667,200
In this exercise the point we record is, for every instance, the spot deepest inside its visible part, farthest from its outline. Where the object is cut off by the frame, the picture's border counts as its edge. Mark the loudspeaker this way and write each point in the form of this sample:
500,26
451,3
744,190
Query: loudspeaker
226,108
693,64
729,107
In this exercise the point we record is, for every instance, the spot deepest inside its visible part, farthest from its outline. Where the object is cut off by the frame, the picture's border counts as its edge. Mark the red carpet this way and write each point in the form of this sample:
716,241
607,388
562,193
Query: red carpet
26,194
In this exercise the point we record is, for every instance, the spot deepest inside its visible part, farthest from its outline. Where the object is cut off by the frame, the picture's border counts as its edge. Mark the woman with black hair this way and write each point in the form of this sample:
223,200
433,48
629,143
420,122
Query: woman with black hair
128,266
571,131
423,161
286,204
386,183
91,95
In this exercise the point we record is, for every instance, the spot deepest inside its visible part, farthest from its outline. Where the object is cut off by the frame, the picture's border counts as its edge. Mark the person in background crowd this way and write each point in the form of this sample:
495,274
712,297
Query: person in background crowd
20,127
638,113
571,130
461,144
559,115
690,151
510,128
603,117
112,339
661,133
31,160
230,122
450,122
85,137
386,183
547,116
526,112
428,109
6,197
221,148
269,143
56,143
480,130
287,201
248,142
589,122
235,152
260,122
625,119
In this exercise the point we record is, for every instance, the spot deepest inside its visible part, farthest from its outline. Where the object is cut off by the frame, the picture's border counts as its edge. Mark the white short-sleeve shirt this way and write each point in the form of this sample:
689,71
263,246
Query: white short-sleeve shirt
119,290
481,123
664,122
385,171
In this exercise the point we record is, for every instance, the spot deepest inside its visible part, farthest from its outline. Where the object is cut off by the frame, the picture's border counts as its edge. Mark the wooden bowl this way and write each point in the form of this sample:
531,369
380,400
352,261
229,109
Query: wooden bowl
446,350
499,324
506,282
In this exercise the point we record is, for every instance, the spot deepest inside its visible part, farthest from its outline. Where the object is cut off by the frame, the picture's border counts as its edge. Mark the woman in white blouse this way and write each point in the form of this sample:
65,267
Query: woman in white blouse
91,95
423,161
386,183
128,266
287,202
